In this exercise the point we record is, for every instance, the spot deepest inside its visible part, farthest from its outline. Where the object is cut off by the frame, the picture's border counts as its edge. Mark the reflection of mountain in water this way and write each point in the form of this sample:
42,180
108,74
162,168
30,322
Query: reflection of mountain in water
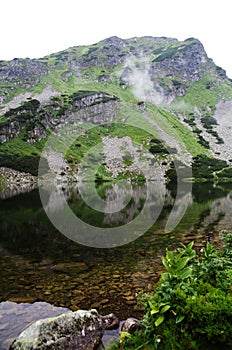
210,205
139,197
39,263
16,190
220,214
131,201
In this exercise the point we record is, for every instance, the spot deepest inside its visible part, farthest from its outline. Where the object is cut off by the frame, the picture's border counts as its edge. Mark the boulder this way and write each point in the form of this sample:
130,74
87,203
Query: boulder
80,330
131,325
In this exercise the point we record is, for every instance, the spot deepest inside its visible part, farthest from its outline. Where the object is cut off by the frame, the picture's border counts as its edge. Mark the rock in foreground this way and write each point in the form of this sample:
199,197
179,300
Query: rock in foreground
80,330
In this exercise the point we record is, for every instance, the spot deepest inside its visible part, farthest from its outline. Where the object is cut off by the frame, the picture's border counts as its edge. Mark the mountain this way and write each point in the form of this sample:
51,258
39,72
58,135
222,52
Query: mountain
137,98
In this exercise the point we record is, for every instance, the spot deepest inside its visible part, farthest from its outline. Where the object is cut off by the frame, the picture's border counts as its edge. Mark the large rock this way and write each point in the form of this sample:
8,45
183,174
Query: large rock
80,330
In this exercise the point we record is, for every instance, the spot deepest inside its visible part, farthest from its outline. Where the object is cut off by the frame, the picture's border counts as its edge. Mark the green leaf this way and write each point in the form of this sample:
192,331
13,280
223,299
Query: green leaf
159,320
208,250
182,263
179,256
192,254
165,276
165,308
199,330
153,306
169,256
165,263
179,318
187,272
190,245
154,311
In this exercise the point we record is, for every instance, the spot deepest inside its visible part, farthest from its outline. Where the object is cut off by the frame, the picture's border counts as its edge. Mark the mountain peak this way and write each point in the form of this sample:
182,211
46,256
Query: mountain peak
114,40
172,82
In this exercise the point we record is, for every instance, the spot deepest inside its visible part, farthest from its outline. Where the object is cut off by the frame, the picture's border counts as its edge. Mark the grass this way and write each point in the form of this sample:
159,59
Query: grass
173,127
18,146
199,95
20,155
129,122
204,93
55,79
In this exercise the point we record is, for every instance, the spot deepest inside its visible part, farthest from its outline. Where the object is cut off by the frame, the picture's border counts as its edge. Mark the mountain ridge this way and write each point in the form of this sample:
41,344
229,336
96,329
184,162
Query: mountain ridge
174,83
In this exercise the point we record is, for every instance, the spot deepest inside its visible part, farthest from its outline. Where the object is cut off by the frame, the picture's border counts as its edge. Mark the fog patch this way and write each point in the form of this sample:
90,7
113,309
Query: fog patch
137,75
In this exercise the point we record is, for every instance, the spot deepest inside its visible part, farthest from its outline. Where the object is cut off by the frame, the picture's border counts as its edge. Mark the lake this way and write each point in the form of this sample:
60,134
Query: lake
38,263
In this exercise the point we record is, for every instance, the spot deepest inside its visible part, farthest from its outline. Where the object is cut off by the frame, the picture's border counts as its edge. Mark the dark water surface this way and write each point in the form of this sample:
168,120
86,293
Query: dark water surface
38,263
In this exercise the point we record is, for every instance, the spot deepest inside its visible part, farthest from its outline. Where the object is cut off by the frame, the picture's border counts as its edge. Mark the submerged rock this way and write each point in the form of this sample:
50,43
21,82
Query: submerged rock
80,330
110,321
131,325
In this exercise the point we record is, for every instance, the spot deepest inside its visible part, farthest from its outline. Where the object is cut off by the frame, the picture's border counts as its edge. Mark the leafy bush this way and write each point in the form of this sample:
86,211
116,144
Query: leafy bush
27,164
203,142
225,173
205,167
26,110
191,307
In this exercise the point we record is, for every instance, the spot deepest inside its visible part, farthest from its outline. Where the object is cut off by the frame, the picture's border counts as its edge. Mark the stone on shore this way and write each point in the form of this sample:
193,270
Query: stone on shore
80,330
131,325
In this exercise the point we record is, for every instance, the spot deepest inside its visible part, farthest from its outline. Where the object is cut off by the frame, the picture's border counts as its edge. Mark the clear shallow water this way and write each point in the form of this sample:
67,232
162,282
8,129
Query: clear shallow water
38,263
17,317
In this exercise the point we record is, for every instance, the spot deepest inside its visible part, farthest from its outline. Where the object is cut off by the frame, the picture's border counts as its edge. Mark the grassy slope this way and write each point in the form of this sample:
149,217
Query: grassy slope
202,97
129,110
198,94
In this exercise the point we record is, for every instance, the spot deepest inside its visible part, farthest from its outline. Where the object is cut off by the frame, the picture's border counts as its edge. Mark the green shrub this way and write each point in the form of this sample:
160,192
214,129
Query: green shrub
191,307
226,173
205,167
28,164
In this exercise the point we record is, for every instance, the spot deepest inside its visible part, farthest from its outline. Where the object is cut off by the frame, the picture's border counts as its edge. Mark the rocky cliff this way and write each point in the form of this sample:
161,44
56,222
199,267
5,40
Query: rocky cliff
161,86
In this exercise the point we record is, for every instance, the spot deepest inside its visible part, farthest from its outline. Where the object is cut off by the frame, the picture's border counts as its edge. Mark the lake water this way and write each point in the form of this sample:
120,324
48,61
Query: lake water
38,263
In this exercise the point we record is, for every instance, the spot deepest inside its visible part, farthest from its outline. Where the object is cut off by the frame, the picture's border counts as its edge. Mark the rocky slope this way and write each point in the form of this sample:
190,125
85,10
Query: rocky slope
167,97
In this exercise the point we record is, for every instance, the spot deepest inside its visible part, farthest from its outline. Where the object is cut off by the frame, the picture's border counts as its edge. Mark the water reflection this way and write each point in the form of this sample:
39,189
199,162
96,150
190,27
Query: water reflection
219,214
15,189
40,264
140,209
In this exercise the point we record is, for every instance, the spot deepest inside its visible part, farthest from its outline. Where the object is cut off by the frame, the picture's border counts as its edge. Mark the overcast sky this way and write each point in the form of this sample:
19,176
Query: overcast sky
35,28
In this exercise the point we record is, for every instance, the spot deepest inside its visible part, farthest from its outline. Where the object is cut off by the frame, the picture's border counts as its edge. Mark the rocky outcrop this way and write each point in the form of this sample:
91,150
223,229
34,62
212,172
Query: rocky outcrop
13,182
189,62
22,70
155,70
174,67
23,314
20,73
95,107
80,330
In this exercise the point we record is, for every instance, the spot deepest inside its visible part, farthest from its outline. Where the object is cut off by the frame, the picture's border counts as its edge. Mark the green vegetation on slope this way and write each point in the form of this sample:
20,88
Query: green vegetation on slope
81,71
204,94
